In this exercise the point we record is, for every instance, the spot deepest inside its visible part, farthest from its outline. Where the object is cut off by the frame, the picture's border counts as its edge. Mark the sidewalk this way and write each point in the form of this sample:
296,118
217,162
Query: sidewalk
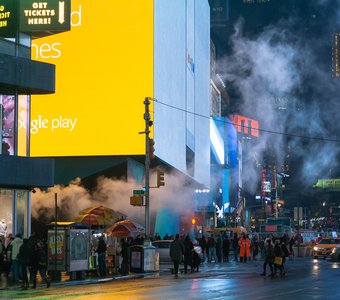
7,284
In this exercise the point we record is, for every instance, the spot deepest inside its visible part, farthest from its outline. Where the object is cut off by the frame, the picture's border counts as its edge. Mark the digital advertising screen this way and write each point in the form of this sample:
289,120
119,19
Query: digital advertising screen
104,70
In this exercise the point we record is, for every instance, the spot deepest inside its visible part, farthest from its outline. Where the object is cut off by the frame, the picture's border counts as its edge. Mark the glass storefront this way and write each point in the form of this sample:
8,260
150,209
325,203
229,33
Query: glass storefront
14,212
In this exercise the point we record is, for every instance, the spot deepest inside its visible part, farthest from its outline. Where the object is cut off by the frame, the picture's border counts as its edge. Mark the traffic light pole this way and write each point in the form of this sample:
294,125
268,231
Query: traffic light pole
147,170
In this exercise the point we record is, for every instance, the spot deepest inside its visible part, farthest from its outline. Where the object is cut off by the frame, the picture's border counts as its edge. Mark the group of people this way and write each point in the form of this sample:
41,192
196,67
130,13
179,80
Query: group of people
20,257
183,251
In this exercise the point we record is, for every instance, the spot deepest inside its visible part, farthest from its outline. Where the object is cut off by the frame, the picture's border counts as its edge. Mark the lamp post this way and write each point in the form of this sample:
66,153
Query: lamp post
276,192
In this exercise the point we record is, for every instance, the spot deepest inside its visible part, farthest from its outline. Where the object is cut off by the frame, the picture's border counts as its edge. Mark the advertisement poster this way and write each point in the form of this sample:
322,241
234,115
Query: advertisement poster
60,247
136,260
7,105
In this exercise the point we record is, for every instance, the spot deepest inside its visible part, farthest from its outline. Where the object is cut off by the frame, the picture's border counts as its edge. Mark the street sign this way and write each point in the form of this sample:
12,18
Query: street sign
138,192
136,200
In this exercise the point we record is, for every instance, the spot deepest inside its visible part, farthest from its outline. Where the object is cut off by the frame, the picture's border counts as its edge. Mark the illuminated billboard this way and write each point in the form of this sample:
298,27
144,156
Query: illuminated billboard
104,70
39,18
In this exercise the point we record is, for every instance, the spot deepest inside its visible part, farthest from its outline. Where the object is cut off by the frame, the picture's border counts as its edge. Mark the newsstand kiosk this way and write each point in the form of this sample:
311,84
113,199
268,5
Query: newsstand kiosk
68,249
143,259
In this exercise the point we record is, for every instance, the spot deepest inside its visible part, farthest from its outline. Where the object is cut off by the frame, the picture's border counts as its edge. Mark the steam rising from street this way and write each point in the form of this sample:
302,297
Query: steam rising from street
279,81
114,194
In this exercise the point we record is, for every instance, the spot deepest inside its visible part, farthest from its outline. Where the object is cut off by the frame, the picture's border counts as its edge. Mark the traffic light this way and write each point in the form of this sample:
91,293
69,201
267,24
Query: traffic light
193,221
151,148
136,200
160,178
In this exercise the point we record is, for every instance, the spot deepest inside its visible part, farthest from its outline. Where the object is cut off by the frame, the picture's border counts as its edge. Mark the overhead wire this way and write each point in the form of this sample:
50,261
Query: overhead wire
249,127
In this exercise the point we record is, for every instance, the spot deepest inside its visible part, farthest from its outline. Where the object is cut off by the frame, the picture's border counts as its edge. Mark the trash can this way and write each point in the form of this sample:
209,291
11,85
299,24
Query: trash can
143,259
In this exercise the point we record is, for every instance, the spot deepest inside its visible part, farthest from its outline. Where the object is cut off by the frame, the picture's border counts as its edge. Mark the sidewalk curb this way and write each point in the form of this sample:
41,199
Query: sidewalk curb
87,281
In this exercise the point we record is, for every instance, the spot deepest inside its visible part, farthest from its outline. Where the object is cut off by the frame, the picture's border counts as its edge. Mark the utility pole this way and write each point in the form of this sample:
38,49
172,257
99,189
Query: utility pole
147,169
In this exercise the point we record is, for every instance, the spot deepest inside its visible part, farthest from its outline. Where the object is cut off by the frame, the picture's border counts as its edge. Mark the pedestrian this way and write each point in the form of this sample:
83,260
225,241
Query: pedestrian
101,250
8,260
290,245
196,261
124,270
225,248
268,257
13,251
39,262
166,237
2,257
244,244
278,260
255,246
212,249
219,248
235,247
176,253
203,245
24,257
188,247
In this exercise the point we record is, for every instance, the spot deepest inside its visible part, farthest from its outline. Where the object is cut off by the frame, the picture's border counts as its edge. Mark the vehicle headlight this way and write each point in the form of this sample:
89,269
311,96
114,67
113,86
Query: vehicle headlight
333,251
316,248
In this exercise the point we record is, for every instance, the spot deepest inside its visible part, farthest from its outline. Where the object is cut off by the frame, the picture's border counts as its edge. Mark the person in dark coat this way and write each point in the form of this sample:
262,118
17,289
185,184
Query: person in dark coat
39,261
225,248
196,261
203,245
188,247
124,270
268,257
235,246
219,248
278,253
176,253
101,250
24,257
212,249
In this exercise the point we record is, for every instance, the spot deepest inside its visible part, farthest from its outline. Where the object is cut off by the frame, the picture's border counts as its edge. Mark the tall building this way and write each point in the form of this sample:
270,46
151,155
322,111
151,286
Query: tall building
106,67
20,78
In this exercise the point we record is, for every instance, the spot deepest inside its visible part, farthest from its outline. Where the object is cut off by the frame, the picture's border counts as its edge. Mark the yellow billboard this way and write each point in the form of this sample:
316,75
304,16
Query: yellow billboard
104,70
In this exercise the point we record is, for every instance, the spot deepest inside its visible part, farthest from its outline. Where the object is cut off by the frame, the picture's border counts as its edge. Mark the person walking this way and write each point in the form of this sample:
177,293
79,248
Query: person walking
24,258
212,249
188,247
176,253
235,247
124,270
219,248
268,257
244,244
203,245
101,250
39,261
255,246
278,260
13,251
225,248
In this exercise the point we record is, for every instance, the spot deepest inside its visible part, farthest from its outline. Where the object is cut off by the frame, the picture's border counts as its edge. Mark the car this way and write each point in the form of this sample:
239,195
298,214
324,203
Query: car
325,247
335,254
163,248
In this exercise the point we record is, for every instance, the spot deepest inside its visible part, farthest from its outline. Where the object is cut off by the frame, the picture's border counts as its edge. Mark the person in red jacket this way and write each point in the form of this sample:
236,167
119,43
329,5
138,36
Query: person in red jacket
244,244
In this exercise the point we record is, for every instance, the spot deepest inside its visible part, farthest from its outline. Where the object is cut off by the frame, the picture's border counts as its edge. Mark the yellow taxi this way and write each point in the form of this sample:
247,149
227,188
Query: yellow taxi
325,247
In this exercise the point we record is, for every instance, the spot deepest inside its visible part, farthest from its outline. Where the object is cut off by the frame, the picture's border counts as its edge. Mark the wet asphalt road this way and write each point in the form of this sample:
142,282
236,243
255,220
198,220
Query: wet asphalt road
305,279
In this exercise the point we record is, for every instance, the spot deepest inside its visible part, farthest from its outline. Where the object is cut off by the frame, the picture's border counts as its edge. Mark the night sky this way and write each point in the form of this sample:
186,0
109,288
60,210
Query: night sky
274,54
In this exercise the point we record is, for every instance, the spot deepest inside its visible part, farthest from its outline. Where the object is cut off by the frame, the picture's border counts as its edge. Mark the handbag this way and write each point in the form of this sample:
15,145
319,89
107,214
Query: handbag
278,260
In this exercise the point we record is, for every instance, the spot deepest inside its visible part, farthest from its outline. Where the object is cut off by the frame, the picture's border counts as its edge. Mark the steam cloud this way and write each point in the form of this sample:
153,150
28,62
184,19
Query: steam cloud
114,194
282,63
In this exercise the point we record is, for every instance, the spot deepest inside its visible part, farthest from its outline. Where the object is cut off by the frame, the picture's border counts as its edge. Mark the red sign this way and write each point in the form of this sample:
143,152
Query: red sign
245,125
270,228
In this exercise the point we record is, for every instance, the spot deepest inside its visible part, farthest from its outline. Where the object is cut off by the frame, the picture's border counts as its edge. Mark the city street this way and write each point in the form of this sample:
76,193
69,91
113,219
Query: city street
305,279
